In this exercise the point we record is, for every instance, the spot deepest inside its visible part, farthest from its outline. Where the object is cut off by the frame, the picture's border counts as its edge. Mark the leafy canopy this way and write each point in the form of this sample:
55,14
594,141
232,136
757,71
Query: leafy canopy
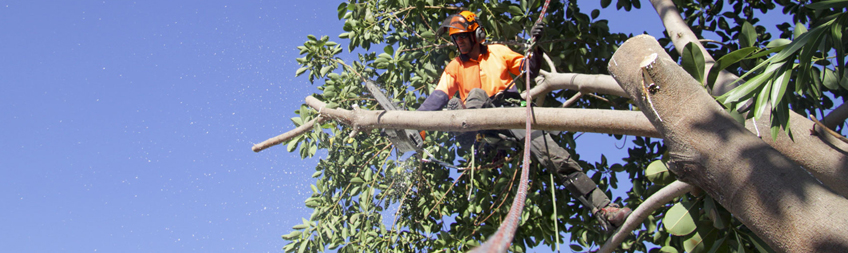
365,198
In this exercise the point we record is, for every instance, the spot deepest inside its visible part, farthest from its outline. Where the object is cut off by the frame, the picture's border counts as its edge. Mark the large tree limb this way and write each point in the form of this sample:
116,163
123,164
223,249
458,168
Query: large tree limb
557,119
824,156
644,210
771,195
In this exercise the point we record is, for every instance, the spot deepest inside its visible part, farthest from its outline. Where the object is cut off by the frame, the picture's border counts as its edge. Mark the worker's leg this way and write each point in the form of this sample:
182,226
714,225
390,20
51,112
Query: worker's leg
580,186
477,98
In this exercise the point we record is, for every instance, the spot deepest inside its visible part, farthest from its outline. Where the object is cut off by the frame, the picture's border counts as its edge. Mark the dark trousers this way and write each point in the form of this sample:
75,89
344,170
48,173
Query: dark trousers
546,151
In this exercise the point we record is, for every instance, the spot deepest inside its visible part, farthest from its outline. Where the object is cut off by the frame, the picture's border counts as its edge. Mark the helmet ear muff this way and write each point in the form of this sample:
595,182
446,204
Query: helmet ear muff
479,34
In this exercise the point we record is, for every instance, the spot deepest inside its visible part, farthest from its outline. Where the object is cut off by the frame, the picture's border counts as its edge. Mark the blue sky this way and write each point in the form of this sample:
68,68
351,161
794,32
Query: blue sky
127,126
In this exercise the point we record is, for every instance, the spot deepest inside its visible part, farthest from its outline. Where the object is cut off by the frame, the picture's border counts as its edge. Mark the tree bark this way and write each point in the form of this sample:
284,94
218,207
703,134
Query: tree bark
822,155
771,195
547,82
836,117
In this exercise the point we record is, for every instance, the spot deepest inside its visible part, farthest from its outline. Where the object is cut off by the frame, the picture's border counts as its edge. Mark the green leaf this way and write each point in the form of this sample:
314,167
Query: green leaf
297,121
312,202
678,221
780,83
300,71
739,117
829,79
292,235
357,180
744,91
326,69
302,247
748,36
713,213
312,37
836,4
293,144
300,226
799,30
727,60
668,249
342,9
844,82
721,246
658,173
693,61
778,43
389,50
515,10
762,101
705,235
576,248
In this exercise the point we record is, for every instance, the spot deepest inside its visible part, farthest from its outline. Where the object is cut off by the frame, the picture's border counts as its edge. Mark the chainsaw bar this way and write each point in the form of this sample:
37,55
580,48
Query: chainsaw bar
405,140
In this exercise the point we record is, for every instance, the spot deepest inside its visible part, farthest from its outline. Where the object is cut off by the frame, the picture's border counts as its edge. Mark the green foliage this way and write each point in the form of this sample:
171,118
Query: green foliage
780,75
365,199
693,61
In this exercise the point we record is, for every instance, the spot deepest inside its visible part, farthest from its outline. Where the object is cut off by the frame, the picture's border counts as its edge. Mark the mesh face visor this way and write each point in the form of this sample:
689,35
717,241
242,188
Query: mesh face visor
455,24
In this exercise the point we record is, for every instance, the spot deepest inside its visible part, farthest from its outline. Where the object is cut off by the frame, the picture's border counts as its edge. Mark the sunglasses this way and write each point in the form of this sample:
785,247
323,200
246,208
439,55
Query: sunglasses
459,36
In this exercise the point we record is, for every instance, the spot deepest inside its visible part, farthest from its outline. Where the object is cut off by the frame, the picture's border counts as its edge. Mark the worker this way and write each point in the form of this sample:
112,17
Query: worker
481,76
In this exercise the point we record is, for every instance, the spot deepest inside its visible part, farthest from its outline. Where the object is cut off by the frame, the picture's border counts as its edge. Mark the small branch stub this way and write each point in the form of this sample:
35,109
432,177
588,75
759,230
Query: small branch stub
648,85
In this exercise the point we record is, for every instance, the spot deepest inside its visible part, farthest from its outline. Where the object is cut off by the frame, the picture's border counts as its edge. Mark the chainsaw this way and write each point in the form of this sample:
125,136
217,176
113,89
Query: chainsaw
405,140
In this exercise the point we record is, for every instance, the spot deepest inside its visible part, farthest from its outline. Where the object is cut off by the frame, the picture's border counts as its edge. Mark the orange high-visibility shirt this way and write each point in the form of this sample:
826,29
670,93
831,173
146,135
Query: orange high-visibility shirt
490,72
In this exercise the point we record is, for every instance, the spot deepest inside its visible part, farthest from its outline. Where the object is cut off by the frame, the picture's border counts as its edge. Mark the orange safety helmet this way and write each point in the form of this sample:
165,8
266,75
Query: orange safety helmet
463,22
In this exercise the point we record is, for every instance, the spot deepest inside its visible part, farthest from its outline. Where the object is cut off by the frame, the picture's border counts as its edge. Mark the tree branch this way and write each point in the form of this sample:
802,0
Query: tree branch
681,35
836,117
547,82
658,199
558,119
287,135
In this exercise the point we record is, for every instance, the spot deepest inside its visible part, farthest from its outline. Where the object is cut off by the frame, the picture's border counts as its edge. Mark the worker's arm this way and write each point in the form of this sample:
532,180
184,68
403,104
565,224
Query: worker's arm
435,101
440,97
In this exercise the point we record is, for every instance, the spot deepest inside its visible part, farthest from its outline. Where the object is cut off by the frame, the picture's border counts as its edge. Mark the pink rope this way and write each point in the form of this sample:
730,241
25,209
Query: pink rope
506,232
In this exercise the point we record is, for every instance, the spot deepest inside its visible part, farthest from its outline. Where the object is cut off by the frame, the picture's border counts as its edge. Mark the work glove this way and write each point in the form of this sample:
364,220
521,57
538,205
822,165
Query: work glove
537,32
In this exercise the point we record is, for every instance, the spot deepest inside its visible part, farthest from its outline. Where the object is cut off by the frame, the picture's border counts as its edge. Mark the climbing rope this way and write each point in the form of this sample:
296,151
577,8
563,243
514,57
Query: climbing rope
503,237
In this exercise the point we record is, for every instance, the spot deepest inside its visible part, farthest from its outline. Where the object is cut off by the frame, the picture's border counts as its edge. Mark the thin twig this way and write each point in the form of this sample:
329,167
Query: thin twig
597,97
827,130
572,100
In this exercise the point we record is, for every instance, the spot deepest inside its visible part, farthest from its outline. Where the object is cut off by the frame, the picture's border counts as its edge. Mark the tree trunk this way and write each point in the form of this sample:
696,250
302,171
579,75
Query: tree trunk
771,195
